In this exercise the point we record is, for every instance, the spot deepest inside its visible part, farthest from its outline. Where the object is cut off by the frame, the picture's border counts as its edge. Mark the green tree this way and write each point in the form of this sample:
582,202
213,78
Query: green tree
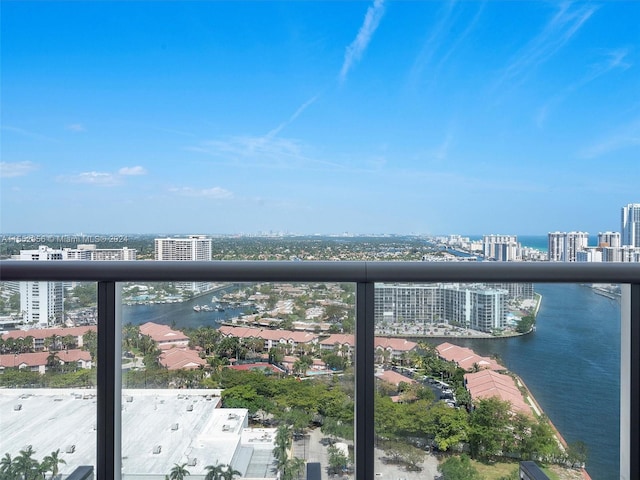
7,468
227,473
213,472
292,468
338,461
281,445
491,428
90,344
178,472
459,468
25,466
53,462
449,426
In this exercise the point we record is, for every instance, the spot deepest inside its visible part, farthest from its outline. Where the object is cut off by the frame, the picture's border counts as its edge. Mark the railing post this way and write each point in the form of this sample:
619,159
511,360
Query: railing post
365,382
108,458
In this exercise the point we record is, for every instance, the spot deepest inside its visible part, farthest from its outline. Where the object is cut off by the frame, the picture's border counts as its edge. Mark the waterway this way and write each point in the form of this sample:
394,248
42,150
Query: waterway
181,315
571,363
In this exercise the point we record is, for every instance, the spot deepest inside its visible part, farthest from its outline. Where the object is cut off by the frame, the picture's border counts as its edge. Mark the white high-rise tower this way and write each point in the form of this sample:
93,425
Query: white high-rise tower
42,302
630,225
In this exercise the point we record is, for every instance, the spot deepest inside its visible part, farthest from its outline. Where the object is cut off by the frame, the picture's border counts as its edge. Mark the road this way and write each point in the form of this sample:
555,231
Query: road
311,449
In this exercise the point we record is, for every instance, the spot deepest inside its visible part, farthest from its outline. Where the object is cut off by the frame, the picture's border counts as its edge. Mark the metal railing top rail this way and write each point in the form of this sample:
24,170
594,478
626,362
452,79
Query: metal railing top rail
319,271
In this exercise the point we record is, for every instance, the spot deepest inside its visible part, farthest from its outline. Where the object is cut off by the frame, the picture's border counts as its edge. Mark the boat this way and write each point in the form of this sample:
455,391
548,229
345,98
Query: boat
197,308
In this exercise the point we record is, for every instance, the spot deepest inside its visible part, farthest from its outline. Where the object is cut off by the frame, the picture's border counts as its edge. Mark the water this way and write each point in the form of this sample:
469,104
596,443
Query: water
179,315
571,364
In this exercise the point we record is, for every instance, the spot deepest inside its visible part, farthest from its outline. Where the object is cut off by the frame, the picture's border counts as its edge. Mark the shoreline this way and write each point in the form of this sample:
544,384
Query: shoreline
537,409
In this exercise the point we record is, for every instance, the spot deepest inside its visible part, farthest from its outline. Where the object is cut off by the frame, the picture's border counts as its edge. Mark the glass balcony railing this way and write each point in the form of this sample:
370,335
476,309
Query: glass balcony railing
143,414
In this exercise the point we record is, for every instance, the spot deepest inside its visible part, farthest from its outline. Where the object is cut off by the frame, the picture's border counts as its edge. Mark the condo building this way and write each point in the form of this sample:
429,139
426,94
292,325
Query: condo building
478,306
90,252
41,302
191,248
564,246
608,239
630,225
503,248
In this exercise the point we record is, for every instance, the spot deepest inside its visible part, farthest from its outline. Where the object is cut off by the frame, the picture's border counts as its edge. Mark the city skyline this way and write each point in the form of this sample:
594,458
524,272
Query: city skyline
319,117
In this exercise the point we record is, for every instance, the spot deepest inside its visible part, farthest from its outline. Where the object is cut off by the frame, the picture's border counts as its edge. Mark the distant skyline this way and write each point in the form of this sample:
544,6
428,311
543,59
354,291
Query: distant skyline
403,117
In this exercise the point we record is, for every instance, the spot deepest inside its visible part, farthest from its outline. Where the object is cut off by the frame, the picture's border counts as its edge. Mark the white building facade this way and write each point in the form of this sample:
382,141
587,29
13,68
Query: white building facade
477,306
192,248
503,248
564,246
630,225
42,303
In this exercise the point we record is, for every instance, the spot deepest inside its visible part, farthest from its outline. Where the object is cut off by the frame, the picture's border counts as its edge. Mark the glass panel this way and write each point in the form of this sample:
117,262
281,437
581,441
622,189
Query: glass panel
464,351
256,378
47,378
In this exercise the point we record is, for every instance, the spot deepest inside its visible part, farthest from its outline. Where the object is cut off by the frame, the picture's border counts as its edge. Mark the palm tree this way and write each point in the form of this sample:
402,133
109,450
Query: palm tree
292,468
24,465
228,473
178,472
53,360
52,462
7,467
213,472
282,442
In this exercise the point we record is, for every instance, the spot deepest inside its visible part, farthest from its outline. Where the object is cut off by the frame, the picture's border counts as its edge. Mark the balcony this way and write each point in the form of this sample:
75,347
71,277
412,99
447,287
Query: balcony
364,275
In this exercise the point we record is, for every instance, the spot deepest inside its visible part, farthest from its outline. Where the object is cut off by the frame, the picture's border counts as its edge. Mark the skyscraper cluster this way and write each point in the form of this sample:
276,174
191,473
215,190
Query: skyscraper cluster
623,246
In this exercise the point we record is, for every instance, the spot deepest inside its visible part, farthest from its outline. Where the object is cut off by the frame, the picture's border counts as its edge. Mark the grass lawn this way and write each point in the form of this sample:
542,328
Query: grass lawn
503,469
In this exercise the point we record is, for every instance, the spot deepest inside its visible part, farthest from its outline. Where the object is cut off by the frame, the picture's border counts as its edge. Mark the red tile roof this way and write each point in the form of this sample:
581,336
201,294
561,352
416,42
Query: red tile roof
395,344
466,358
181,358
162,333
487,383
267,334
40,358
42,333
339,338
394,378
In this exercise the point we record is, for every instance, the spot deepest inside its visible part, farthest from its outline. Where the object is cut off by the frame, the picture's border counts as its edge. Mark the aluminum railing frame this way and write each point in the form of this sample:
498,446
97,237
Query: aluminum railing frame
364,275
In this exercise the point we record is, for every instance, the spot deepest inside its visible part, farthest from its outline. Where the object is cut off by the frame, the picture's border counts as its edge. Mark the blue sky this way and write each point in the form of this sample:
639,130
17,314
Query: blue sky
423,117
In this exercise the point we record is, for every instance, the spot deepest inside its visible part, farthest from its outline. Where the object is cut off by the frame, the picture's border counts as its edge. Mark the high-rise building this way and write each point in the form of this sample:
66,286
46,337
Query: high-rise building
564,246
504,248
42,302
192,248
555,247
478,306
630,225
608,239
90,252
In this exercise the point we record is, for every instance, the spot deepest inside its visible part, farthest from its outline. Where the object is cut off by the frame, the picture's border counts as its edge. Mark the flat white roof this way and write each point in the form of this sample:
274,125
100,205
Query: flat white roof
186,424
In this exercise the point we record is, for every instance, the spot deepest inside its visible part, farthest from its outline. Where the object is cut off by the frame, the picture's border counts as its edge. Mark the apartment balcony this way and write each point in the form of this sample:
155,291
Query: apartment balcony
108,275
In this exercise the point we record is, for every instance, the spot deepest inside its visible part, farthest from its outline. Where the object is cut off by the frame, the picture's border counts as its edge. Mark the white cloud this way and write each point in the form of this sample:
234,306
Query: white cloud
215,192
105,179
262,152
625,137
137,170
291,119
93,178
76,127
359,45
16,169
557,32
